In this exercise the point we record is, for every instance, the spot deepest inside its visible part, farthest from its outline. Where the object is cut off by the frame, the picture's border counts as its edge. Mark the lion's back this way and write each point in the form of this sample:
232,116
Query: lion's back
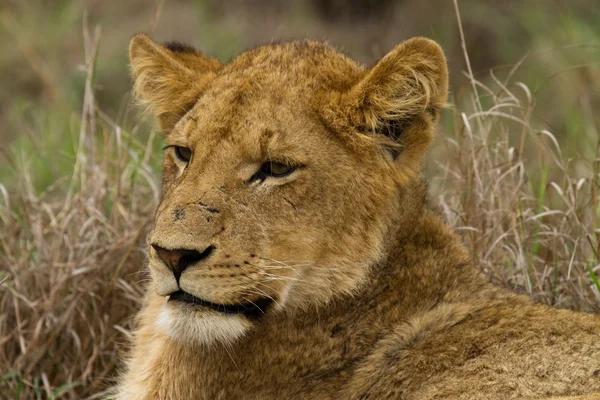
515,350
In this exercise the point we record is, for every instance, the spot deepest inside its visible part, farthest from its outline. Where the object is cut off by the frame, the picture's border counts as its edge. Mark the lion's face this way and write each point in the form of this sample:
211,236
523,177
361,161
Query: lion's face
278,191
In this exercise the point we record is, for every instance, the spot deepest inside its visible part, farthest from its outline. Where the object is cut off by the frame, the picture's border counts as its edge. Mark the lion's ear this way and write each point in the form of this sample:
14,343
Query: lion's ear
401,97
169,78
408,81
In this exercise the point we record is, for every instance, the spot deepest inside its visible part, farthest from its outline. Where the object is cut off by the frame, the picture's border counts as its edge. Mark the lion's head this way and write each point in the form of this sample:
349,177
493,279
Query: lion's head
283,174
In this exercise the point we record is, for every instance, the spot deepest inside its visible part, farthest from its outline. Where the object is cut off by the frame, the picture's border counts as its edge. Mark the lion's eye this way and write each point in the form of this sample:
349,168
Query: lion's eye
183,153
273,169
276,169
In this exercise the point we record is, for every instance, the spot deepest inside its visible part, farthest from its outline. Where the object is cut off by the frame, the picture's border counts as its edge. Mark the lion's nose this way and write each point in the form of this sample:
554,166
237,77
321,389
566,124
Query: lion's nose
179,259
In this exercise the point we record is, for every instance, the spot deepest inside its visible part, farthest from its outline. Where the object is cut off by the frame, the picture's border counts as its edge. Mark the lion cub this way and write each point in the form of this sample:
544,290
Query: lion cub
294,253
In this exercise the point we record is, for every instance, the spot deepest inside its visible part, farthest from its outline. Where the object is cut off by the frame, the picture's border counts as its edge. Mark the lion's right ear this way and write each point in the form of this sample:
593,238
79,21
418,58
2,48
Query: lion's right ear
169,78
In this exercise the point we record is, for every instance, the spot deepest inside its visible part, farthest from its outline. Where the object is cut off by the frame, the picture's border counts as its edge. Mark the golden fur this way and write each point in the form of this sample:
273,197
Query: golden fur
367,293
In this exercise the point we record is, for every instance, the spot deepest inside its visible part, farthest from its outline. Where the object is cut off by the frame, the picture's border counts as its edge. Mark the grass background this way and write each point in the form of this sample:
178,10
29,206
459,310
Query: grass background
515,168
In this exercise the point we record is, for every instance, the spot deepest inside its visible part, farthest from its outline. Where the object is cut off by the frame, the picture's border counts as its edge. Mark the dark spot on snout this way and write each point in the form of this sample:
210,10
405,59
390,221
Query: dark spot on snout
178,214
596,373
336,330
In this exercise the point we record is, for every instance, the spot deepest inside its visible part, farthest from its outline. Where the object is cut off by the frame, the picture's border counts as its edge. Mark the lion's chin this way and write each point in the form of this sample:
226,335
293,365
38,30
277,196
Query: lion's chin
201,326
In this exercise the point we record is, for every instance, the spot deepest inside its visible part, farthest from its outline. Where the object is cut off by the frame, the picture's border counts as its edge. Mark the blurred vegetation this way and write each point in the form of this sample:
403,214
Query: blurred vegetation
555,43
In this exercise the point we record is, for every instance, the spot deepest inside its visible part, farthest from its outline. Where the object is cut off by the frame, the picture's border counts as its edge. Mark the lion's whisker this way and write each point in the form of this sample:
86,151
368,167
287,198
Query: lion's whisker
262,293
254,304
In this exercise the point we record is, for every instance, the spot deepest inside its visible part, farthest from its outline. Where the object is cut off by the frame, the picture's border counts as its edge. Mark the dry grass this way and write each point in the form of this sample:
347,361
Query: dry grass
529,215
71,257
71,261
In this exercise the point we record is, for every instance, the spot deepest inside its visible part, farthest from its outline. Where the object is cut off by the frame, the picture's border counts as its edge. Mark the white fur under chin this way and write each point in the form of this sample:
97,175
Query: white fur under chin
201,327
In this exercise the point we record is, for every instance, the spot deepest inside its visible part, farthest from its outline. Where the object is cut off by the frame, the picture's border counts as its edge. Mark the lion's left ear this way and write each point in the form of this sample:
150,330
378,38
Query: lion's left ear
409,80
400,97
169,78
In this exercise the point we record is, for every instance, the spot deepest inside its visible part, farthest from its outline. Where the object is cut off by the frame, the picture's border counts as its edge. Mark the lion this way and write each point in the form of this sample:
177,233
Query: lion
295,253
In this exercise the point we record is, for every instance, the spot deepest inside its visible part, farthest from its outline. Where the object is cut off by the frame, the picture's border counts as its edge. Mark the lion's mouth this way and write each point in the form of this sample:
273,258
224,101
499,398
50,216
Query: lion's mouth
250,309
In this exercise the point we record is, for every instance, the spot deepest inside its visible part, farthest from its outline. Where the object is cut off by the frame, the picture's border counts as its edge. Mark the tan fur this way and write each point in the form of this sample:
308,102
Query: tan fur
374,296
